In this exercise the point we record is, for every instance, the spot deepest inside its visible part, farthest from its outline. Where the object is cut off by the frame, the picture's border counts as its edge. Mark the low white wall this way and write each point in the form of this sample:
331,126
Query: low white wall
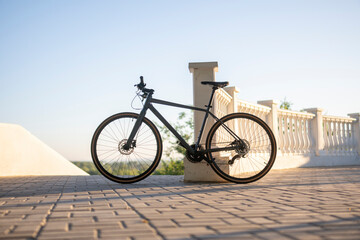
310,160
21,154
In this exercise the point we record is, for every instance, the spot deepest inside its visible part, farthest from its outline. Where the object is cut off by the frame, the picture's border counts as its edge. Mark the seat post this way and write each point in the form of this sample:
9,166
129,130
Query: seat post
205,117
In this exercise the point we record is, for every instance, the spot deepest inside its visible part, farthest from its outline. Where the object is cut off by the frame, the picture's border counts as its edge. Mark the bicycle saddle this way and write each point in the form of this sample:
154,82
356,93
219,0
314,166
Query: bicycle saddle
215,84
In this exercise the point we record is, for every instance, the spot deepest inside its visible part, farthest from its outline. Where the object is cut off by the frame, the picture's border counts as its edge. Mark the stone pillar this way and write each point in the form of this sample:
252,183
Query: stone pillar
317,129
356,126
272,117
202,71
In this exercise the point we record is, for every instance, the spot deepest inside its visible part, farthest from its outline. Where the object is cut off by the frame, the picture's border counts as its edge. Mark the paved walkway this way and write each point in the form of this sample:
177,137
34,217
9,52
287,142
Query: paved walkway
316,203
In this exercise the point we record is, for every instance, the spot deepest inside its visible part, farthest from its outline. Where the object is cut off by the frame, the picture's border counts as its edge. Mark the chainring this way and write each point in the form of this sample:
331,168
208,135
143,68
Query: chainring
194,158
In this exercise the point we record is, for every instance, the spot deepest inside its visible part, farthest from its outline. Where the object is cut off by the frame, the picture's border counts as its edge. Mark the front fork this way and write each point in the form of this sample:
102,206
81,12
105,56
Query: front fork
130,141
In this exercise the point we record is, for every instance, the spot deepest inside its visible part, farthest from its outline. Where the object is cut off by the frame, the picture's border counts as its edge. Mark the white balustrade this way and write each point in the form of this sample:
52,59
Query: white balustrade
294,132
339,136
221,103
303,138
297,133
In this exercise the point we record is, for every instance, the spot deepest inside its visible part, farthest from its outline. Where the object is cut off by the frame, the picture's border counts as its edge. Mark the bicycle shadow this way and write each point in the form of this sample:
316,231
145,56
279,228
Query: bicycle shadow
164,185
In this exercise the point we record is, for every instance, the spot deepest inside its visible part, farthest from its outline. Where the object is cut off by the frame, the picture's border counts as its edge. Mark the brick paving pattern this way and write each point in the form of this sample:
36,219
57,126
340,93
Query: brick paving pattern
313,203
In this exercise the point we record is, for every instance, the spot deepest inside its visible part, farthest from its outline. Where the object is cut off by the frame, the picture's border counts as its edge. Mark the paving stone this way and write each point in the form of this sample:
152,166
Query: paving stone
313,203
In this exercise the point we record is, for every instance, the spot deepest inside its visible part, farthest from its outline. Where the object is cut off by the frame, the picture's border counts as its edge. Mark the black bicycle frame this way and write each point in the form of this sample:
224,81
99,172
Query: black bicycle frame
148,105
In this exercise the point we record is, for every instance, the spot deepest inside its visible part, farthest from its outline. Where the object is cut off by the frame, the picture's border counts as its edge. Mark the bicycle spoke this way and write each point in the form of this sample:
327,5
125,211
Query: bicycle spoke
131,164
250,158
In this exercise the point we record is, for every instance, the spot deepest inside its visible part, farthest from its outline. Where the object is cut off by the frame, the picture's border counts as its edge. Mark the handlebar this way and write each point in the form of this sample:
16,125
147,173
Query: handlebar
141,86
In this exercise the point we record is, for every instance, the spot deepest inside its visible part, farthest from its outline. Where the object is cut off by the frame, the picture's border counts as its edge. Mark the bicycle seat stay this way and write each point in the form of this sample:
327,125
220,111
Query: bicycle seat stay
215,84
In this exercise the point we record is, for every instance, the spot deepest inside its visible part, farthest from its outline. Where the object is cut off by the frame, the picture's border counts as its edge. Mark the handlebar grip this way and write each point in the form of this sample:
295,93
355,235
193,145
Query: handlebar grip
141,85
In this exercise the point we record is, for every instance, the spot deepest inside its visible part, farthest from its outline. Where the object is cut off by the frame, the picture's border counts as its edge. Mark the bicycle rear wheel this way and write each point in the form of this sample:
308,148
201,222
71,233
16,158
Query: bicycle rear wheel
126,165
254,148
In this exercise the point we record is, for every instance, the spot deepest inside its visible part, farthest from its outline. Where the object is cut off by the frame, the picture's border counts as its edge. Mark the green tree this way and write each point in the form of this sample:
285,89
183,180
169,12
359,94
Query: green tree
174,153
285,104
172,167
88,167
185,127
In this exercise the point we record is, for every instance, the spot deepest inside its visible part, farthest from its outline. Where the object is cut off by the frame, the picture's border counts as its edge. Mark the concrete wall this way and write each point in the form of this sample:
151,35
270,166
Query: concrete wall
21,153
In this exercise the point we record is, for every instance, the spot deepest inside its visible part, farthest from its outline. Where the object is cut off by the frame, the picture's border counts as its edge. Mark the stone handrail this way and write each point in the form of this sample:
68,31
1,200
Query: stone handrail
255,109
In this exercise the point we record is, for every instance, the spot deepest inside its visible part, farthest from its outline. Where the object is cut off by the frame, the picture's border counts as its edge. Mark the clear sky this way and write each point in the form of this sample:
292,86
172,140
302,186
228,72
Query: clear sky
67,65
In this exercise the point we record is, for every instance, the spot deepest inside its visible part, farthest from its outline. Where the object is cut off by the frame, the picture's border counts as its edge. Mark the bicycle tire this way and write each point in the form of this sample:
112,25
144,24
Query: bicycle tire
239,166
118,164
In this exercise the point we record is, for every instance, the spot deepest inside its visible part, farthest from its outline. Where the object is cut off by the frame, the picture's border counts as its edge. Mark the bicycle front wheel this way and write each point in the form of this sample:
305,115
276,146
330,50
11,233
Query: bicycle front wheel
252,148
126,165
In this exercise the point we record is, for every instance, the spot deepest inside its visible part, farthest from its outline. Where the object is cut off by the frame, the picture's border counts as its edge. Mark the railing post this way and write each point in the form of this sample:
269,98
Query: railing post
317,129
272,117
232,91
202,71
356,126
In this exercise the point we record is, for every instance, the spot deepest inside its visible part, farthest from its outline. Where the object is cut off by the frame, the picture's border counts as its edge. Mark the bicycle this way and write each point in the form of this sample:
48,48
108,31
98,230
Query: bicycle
127,147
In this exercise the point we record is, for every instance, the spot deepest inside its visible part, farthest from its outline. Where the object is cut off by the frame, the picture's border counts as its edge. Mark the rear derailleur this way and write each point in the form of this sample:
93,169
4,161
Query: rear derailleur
242,149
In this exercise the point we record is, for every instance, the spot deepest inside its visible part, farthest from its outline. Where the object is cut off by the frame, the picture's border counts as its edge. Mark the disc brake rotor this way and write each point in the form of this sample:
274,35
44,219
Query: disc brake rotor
124,151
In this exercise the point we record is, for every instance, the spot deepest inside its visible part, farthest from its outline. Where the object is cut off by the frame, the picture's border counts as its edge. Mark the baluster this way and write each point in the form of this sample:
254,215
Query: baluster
337,139
326,136
281,133
346,138
331,137
262,137
336,142
294,132
301,132
291,135
295,138
334,137
251,129
338,131
253,112
308,141
297,123
306,136
284,142
342,138
286,135
352,148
